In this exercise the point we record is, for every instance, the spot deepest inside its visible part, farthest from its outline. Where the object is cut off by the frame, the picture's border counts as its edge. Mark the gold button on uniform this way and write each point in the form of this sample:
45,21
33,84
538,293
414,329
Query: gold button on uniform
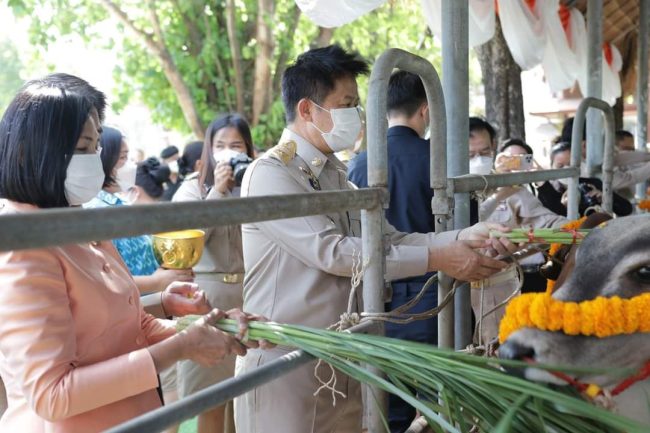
106,267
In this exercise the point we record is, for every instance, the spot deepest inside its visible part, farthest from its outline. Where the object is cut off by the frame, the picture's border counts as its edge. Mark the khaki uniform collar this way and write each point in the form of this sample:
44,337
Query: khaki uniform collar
313,157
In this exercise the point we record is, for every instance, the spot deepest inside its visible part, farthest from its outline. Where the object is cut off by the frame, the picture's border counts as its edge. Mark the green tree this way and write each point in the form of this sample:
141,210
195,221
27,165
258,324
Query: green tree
10,67
189,60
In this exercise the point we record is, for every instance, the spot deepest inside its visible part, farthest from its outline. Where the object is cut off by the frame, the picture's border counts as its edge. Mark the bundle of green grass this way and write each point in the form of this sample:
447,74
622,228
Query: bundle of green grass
454,391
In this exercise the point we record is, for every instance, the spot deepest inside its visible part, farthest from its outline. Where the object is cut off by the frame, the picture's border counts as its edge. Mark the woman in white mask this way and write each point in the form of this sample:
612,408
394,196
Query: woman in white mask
79,353
118,182
220,272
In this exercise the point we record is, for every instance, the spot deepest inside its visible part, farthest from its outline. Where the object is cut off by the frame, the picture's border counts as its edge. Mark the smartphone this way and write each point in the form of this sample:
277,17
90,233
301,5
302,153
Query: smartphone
516,162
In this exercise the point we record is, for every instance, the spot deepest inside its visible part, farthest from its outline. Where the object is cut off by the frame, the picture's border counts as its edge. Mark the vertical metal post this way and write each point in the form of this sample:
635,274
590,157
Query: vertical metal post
455,84
642,87
372,219
576,154
372,229
594,83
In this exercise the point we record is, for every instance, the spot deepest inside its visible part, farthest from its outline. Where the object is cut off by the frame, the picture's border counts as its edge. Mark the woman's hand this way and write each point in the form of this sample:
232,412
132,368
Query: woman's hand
164,277
223,178
205,344
180,299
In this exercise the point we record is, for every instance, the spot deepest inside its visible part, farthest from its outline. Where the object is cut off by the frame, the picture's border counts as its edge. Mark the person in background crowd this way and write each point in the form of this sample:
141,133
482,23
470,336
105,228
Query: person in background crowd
220,272
514,207
409,210
624,140
170,156
189,164
150,179
553,195
630,167
66,366
137,251
136,156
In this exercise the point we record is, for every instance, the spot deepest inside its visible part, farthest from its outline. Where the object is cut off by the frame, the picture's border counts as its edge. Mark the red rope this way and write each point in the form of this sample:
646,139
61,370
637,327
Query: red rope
643,374
575,233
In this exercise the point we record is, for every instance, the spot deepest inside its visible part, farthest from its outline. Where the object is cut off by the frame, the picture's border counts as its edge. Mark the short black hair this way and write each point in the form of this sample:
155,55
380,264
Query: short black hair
39,132
314,75
231,120
111,142
623,134
79,86
169,151
191,153
567,130
477,124
406,94
561,146
516,142
151,176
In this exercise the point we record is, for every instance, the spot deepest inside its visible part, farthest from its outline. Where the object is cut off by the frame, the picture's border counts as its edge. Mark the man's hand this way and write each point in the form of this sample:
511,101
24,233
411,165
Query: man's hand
493,246
180,299
242,319
461,261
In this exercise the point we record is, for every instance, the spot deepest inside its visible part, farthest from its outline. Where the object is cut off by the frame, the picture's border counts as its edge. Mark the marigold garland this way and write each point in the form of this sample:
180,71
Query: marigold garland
600,317
644,205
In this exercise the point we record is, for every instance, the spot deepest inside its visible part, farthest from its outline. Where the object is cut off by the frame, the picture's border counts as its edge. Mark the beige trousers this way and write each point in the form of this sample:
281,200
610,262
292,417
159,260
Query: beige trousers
288,405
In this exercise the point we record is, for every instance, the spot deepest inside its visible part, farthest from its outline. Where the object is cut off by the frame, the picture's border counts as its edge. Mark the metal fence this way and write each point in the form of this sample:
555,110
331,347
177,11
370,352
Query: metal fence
64,226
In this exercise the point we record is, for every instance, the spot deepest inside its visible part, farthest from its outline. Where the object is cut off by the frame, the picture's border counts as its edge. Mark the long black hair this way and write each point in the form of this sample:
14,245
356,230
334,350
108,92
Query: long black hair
232,120
38,135
111,141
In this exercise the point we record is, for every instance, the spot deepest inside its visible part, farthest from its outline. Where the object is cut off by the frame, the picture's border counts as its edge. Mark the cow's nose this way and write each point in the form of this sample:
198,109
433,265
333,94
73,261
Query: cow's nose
516,351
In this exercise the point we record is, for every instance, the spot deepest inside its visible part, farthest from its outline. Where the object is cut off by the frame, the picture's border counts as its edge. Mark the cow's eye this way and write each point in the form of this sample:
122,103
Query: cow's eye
642,274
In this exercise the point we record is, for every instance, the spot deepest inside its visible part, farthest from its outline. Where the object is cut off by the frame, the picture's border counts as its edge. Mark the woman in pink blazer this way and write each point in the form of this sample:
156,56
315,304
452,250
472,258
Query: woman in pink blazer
77,351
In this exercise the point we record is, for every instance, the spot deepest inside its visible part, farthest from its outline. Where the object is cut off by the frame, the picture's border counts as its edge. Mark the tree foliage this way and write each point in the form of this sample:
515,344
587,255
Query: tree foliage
10,67
166,46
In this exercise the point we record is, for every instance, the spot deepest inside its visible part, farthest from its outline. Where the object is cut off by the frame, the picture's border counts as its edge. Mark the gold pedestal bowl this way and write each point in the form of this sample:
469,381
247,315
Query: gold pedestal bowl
180,249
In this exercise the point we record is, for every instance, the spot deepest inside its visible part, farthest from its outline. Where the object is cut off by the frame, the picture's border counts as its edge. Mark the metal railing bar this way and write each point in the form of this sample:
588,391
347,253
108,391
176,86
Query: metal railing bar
51,227
478,183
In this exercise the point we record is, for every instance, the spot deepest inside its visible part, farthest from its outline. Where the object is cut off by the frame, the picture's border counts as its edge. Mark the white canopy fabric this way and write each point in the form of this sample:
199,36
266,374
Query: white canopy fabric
532,29
335,13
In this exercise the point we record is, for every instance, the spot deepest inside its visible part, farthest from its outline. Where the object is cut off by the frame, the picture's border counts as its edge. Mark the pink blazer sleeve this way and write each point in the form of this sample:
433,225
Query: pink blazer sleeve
157,329
38,341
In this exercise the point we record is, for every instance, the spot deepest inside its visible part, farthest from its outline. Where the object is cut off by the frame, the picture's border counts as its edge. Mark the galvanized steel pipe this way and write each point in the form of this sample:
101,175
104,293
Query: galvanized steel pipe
642,87
594,84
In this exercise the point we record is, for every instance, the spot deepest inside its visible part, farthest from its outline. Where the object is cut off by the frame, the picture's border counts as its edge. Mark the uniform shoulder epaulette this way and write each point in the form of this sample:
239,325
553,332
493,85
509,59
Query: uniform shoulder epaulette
284,151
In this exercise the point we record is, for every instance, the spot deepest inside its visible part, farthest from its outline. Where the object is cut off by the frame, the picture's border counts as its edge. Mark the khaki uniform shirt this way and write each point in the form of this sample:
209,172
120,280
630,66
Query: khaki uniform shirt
298,270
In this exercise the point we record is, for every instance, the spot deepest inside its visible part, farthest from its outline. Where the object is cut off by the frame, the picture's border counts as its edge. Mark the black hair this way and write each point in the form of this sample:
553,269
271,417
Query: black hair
168,152
151,176
567,130
39,132
406,93
77,85
111,142
516,142
232,120
191,153
623,134
477,124
561,146
314,74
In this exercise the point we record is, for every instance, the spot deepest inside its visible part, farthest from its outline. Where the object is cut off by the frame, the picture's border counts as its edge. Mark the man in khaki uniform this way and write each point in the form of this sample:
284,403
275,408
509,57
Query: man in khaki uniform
298,270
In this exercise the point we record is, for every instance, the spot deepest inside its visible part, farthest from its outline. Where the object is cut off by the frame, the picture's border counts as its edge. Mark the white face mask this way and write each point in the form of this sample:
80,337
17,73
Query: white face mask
173,166
225,155
345,130
125,176
84,178
480,165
